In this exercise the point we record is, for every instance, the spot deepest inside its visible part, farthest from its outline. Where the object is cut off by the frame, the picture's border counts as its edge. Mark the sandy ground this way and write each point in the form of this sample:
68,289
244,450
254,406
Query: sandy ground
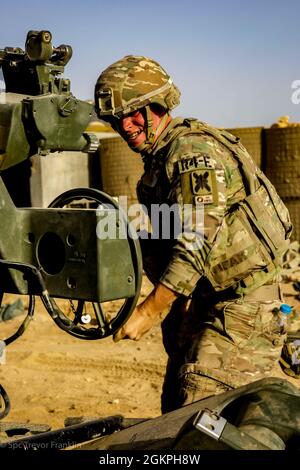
50,375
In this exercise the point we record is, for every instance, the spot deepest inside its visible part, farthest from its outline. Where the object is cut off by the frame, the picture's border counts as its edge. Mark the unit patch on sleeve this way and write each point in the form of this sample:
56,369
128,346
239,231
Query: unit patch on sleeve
200,160
198,180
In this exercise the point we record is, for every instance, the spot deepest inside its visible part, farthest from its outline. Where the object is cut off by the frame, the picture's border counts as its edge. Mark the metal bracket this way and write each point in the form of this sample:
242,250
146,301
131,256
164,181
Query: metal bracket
92,142
210,423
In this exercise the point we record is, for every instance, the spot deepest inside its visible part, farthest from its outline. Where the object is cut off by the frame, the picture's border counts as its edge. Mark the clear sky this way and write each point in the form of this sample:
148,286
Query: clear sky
235,61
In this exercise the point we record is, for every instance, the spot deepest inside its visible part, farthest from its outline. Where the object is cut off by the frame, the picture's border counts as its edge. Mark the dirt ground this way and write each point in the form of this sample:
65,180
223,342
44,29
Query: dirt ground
50,375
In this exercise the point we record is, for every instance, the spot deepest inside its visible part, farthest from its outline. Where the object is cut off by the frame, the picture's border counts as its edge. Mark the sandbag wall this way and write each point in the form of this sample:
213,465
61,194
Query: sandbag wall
282,166
251,138
121,168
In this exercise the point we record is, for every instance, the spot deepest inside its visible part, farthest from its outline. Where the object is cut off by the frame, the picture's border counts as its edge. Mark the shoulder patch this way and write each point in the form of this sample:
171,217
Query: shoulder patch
194,162
199,186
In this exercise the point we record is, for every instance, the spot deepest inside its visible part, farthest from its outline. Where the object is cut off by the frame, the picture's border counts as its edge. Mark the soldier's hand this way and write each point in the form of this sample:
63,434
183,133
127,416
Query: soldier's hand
145,314
136,326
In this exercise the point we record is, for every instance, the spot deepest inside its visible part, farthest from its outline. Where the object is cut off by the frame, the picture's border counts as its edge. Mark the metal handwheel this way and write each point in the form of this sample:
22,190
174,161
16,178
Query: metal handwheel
78,317
27,271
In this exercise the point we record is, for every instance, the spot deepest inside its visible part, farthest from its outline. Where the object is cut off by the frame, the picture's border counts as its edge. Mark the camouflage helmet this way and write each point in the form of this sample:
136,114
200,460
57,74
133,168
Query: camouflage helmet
132,83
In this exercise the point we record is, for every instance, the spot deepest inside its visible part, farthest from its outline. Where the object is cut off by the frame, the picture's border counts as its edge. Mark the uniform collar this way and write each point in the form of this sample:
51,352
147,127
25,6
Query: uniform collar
163,139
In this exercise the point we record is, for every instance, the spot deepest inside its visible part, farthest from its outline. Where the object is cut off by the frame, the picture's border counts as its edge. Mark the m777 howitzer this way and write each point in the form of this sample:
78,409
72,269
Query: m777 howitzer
56,253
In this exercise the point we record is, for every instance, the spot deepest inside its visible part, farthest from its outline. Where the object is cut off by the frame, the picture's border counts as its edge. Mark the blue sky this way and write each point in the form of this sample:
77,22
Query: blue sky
234,61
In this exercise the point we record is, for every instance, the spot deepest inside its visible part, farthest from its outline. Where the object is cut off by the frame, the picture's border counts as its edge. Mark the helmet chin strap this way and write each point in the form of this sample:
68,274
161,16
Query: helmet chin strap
151,134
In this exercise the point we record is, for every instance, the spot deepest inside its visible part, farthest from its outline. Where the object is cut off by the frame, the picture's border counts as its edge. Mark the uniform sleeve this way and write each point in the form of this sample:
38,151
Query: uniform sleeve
199,187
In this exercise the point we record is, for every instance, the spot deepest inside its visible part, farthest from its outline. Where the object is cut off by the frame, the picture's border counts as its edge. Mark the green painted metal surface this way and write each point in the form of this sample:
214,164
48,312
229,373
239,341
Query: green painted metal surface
39,114
74,261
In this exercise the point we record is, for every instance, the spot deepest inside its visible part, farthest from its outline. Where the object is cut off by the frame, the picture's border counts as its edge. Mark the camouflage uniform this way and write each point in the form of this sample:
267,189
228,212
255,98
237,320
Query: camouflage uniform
229,335
222,331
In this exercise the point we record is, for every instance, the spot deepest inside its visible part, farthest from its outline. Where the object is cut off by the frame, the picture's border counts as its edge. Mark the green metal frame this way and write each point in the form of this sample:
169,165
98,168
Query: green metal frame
63,243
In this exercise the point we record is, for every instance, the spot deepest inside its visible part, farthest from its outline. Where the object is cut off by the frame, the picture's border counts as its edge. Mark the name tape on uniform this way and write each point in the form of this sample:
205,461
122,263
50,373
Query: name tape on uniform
195,162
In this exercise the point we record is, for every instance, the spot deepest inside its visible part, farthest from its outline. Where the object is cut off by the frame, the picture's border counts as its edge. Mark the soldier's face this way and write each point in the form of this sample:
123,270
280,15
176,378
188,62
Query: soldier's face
132,127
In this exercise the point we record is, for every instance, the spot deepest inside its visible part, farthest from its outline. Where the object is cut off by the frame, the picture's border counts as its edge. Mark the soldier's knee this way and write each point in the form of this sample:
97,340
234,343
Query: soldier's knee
194,386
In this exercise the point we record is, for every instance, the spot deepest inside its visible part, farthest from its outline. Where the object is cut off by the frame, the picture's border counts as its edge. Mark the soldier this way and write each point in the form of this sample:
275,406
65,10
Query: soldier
223,329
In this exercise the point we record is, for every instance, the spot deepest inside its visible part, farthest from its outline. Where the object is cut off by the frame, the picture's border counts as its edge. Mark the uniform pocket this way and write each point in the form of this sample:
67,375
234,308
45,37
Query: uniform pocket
236,252
240,320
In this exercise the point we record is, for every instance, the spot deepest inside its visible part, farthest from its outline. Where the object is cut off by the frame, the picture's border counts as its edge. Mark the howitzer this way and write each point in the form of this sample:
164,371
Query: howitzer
57,252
